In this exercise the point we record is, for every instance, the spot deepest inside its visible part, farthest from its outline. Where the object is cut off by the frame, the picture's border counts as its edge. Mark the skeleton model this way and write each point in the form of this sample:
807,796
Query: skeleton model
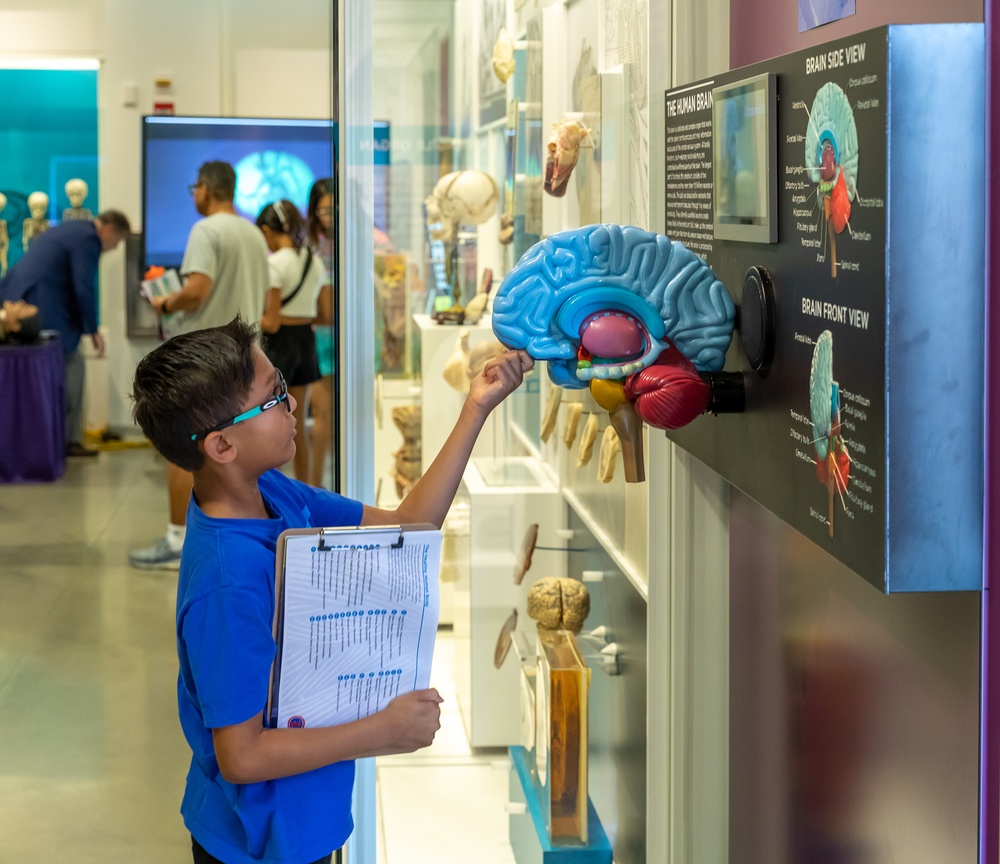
38,204
76,191
4,237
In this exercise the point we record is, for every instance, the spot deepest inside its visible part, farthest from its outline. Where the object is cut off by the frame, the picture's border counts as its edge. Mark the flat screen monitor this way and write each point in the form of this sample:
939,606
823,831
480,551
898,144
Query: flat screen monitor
273,159
744,156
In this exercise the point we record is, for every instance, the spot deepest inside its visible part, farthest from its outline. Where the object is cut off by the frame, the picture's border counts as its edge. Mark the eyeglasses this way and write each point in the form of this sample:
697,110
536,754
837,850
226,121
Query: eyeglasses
281,395
324,211
194,186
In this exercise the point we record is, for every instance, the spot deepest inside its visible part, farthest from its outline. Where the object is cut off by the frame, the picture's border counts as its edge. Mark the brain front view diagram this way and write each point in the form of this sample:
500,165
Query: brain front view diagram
832,161
833,462
628,313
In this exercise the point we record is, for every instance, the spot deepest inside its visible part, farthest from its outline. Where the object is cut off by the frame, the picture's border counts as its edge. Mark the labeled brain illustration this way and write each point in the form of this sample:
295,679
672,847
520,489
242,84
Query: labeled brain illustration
604,302
832,161
833,461
832,138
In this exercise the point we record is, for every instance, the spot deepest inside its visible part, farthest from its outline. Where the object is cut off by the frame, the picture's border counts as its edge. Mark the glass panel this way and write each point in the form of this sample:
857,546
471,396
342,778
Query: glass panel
562,684
48,147
411,104
452,166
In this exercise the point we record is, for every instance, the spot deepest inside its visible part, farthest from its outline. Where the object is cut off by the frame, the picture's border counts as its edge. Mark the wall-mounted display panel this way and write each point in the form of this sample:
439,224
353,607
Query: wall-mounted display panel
863,421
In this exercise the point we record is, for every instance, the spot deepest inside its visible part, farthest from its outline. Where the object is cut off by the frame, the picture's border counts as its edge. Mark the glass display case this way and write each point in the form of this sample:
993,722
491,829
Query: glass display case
504,497
562,683
555,686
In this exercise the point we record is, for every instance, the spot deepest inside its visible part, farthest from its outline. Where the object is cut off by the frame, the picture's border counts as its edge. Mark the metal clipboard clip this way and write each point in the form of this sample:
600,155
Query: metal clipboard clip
322,547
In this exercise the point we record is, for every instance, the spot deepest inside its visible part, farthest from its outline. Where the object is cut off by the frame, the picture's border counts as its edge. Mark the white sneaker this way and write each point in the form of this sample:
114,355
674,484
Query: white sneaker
159,556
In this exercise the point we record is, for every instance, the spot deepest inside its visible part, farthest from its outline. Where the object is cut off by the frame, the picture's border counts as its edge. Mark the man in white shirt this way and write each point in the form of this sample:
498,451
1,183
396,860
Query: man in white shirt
225,273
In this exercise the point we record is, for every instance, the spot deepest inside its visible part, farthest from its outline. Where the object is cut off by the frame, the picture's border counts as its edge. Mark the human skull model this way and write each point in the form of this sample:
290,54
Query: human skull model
467,197
76,191
38,204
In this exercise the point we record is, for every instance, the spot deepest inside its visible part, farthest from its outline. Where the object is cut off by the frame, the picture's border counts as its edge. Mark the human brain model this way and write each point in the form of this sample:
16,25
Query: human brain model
558,603
638,319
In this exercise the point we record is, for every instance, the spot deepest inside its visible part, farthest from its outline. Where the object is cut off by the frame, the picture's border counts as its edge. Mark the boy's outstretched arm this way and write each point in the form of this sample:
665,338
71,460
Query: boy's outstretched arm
249,753
431,496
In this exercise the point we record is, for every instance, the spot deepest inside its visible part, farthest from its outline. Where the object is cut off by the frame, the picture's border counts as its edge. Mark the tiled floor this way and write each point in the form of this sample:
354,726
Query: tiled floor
92,761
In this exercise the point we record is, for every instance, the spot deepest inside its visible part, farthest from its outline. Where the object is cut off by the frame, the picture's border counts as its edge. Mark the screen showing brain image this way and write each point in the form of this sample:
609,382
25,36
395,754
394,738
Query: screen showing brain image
739,157
273,159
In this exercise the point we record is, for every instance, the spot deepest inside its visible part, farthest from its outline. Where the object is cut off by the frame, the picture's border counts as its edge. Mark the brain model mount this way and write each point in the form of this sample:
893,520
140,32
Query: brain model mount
635,317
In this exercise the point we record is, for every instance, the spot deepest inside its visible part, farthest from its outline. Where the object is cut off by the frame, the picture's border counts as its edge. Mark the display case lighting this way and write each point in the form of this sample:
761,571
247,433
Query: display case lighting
61,64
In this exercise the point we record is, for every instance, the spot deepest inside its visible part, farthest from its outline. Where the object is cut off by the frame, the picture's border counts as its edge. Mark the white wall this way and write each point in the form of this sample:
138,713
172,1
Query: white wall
688,699
196,43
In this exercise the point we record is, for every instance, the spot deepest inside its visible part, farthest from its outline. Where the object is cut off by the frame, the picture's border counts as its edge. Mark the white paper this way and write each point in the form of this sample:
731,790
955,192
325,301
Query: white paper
161,286
360,621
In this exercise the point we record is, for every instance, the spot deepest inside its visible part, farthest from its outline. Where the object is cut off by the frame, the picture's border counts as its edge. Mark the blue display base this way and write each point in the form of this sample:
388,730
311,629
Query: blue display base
528,836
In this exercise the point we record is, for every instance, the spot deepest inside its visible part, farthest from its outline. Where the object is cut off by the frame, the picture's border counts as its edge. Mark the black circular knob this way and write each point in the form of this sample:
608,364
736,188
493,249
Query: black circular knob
757,320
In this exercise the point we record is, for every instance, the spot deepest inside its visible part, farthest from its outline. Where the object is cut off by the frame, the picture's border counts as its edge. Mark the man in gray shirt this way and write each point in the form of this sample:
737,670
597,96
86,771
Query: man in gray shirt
225,273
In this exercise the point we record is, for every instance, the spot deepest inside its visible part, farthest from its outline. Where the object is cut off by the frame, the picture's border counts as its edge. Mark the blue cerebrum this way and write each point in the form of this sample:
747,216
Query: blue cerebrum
666,287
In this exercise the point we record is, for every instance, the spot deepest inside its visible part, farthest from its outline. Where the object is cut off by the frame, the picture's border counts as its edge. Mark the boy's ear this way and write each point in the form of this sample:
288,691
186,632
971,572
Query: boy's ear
219,448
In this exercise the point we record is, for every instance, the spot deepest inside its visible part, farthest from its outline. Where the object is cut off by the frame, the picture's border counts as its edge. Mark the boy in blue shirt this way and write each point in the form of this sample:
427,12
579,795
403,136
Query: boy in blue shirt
212,403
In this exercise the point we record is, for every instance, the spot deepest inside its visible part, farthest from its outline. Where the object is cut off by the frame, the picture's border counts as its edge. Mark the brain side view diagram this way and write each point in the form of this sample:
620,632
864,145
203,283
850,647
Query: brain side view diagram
832,161
638,319
833,462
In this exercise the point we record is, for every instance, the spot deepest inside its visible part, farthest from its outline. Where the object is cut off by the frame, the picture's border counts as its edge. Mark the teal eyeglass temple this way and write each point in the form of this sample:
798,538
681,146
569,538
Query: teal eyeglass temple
253,412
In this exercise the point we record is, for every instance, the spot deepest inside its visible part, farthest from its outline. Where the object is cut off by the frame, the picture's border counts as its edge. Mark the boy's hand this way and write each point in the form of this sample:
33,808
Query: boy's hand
500,377
411,721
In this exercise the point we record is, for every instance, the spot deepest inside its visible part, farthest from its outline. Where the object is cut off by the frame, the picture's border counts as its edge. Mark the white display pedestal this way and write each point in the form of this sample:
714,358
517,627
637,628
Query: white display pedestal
505,497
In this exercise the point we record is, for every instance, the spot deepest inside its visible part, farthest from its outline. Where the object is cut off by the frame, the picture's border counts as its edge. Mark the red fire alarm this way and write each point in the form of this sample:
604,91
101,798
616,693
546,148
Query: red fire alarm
163,108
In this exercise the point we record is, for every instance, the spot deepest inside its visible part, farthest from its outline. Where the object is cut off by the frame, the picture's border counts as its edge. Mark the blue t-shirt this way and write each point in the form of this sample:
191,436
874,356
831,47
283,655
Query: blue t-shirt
225,610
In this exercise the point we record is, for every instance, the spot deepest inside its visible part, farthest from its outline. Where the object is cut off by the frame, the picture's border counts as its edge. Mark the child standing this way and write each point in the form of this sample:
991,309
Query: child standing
296,277
212,403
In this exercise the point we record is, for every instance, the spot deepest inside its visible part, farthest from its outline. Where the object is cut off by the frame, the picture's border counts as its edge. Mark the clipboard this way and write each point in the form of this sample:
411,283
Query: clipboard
355,619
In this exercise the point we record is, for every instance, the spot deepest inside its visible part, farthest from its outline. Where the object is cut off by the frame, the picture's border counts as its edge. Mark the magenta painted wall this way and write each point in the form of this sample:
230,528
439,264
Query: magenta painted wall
762,29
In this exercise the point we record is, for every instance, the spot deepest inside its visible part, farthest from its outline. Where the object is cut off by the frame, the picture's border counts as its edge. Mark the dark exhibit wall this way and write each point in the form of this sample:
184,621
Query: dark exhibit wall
854,716
854,725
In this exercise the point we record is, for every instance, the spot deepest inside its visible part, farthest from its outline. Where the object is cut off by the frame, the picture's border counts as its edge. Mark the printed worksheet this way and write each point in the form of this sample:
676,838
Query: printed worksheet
356,619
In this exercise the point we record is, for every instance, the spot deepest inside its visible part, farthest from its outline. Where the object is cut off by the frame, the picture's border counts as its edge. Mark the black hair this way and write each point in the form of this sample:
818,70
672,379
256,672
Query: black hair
116,220
220,178
191,383
325,186
283,217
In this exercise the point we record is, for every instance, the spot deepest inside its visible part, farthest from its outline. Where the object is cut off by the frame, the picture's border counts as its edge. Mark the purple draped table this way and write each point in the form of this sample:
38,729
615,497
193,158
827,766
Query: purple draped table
32,412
